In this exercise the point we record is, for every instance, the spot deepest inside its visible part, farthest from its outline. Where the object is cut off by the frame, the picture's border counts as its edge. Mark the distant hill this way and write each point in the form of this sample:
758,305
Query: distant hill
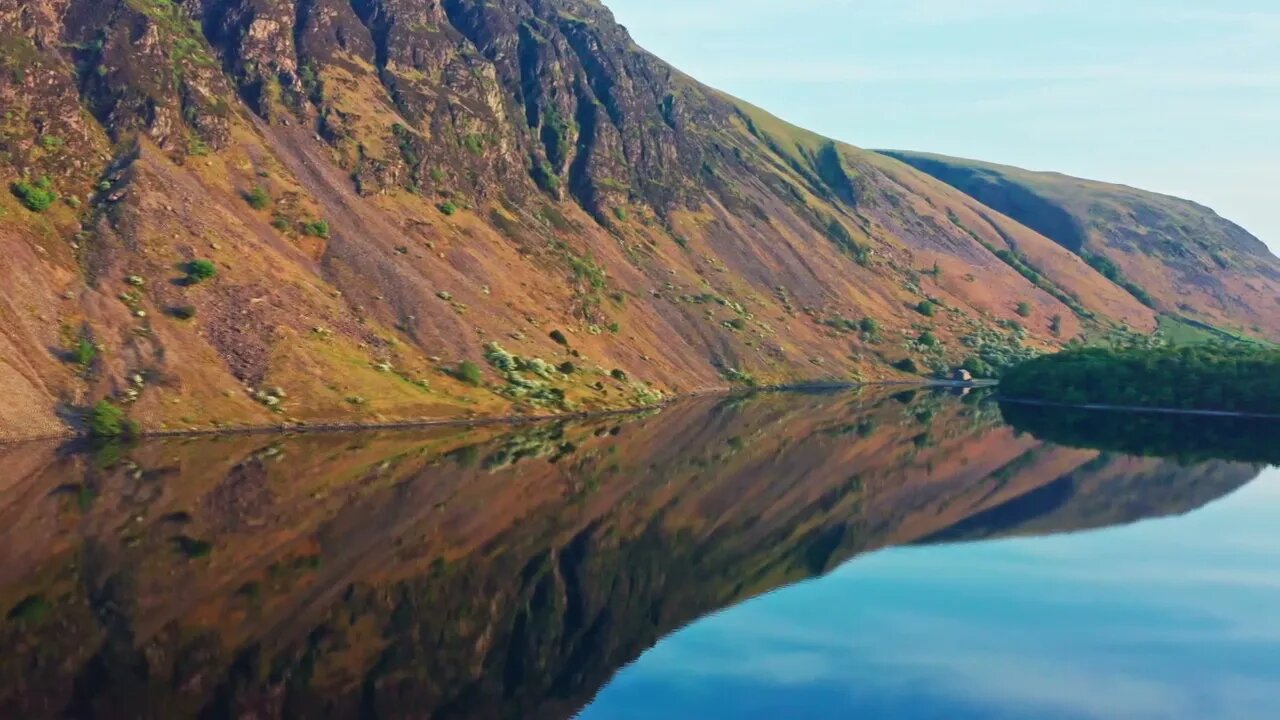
1179,257
222,213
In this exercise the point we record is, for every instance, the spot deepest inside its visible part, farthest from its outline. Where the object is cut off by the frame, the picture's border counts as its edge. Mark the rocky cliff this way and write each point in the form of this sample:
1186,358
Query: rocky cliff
262,212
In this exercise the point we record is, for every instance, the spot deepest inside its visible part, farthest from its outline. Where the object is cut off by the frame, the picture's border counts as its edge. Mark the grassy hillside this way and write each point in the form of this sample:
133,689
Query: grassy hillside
1174,255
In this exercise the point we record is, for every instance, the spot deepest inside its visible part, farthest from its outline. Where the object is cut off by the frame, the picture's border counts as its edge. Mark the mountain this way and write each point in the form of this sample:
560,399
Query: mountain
230,213
484,572
1175,256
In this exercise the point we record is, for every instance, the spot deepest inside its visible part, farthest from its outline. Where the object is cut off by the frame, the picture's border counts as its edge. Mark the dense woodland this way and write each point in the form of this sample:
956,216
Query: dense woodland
1220,377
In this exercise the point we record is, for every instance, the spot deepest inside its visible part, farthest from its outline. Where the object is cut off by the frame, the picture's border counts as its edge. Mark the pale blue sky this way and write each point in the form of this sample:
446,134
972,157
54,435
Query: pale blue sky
1177,96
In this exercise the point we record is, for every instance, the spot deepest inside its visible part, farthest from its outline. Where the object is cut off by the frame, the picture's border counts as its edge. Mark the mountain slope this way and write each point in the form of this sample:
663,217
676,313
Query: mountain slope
385,188
1179,257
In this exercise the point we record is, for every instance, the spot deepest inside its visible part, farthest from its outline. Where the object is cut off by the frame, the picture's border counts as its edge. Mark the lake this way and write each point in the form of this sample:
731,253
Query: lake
854,553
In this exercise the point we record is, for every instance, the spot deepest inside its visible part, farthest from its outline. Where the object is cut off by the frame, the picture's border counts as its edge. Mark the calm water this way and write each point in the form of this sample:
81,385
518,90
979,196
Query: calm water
789,555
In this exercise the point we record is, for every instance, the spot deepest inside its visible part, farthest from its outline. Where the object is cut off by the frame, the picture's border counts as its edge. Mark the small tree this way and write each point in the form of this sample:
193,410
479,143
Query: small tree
926,308
1024,309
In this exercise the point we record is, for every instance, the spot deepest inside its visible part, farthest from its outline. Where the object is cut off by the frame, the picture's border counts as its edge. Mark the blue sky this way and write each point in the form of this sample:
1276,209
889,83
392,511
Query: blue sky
1177,96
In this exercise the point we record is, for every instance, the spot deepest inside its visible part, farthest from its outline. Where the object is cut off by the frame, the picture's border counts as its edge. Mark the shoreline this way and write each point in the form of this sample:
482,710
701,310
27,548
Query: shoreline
1141,409
513,420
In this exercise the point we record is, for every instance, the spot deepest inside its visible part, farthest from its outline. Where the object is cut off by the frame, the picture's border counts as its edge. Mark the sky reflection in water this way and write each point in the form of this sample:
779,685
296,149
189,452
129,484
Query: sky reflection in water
1169,618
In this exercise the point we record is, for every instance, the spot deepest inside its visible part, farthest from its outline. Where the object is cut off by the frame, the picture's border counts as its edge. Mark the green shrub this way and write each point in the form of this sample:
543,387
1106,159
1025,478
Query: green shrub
280,223
926,308
258,198
559,338
614,328
448,207
200,270
567,368
907,365
84,353
108,421
928,339
469,373
869,327
1055,325
38,196
316,228
1024,309
621,213
183,312
474,144
619,374
52,143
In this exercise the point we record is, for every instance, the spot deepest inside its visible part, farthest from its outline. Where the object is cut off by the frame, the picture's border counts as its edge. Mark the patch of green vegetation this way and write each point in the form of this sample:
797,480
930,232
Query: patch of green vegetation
105,420
31,610
1216,377
84,353
928,339
995,352
474,143
200,270
837,232
36,196
469,373
546,177
558,337
52,143
1112,272
618,374
258,198
1024,309
316,228
621,213
926,308
1181,332
448,207
183,312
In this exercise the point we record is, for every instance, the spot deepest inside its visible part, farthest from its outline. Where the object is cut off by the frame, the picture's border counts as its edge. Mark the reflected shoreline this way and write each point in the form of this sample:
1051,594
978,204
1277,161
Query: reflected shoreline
490,570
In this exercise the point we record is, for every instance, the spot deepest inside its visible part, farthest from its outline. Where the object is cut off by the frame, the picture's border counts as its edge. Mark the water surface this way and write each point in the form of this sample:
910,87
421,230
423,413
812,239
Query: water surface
799,555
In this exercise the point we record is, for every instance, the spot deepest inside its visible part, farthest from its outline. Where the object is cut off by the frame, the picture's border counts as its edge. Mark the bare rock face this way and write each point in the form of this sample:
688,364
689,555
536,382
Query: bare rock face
386,189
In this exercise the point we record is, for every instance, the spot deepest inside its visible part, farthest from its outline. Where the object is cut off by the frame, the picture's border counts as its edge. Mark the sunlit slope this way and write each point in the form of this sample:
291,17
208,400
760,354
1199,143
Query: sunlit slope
1176,255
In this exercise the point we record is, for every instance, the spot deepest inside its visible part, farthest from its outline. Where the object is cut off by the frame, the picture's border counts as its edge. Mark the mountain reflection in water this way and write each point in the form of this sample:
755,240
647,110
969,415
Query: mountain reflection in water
492,572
